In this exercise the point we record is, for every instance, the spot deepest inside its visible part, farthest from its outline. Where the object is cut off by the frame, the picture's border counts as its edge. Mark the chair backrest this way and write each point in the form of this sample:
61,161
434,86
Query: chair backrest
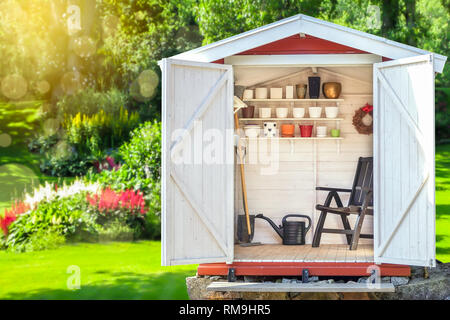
363,181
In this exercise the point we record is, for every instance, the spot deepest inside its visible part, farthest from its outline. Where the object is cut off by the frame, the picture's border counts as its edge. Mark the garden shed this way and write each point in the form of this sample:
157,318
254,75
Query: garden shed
296,172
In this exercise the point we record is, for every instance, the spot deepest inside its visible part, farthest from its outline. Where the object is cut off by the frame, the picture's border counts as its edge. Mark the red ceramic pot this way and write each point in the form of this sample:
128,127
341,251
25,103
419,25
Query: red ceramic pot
306,130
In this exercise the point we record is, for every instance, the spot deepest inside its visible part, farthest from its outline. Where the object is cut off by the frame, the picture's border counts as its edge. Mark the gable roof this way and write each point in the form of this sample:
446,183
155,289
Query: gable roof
311,26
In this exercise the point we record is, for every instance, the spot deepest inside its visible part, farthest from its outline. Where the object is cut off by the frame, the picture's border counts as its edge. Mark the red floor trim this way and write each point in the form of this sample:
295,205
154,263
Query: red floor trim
296,268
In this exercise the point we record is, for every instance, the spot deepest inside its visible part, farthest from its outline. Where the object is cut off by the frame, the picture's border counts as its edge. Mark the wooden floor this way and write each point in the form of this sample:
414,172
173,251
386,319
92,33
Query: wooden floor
305,253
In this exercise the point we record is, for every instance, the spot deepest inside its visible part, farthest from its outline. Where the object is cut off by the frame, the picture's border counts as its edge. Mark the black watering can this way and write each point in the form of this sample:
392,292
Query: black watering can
292,232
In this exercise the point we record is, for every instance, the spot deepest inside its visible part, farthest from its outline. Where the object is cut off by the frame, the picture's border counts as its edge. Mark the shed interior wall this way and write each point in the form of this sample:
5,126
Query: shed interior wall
290,185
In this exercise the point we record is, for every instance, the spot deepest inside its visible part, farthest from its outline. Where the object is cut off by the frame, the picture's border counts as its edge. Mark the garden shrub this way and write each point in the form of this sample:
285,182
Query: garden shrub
126,208
44,239
79,211
91,135
140,170
90,102
65,216
116,231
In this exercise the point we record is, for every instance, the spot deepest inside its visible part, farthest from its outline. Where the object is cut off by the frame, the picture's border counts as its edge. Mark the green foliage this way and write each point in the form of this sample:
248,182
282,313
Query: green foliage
89,102
115,231
86,126
147,30
140,171
65,165
65,217
44,240
92,135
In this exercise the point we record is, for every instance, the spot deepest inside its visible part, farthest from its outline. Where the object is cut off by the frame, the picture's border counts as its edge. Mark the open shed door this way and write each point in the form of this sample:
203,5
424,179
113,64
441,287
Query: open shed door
404,203
197,163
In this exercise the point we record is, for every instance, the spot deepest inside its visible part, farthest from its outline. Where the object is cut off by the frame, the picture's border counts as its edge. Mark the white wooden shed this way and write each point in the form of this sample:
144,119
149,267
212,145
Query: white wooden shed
201,194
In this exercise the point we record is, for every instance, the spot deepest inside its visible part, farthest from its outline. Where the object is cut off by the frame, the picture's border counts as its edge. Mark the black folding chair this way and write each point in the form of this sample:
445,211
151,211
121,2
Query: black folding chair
360,203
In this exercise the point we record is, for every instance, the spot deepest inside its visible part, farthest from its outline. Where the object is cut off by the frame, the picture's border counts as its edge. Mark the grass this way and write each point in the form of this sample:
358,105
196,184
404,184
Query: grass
19,172
117,270
443,202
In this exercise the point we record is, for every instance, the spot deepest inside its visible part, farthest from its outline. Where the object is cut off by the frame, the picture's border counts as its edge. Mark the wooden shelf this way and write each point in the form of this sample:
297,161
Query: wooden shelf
294,100
291,119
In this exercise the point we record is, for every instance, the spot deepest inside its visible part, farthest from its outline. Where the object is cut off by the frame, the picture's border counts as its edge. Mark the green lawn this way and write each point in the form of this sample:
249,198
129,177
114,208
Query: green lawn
19,172
443,203
118,270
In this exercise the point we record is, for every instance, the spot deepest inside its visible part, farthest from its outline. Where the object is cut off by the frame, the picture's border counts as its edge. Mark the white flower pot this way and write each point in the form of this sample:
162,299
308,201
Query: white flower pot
282,112
315,112
265,112
331,112
298,112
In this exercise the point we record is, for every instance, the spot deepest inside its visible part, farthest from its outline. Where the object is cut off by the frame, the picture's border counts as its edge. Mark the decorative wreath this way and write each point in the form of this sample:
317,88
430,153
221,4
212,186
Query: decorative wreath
358,122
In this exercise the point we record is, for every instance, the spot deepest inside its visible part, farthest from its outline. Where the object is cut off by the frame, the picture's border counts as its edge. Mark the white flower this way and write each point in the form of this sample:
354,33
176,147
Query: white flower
47,191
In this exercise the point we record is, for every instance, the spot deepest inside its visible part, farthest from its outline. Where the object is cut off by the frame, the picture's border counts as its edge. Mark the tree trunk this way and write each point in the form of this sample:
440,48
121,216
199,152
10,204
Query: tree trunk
390,13
410,15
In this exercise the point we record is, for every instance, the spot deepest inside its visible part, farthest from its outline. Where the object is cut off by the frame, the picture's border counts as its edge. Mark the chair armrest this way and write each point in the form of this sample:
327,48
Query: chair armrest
333,189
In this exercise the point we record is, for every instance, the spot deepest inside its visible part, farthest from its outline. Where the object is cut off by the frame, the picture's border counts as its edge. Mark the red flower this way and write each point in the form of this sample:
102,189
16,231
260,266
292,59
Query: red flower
367,108
10,216
109,200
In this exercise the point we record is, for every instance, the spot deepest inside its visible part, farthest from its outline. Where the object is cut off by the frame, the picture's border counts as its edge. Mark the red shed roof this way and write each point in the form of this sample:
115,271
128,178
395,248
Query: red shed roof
301,45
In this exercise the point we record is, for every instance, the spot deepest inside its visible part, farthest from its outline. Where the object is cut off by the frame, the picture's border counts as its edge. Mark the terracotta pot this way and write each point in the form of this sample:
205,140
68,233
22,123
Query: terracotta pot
301,91
306,130
331,90
248,112
287,130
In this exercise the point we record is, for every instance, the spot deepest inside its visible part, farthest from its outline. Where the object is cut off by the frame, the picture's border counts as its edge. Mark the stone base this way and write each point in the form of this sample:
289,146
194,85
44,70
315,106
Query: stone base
431,285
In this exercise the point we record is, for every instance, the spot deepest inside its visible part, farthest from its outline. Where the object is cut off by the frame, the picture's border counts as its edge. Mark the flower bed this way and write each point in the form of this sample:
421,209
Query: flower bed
78,212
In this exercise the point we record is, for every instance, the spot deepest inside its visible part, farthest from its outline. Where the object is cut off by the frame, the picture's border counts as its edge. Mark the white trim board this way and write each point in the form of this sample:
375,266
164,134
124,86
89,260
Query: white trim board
312,26
306,60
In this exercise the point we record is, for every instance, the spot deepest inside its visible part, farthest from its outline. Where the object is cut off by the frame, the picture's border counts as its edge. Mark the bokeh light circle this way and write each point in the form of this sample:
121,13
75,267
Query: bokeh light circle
51,126
144,88
110,25
43,87
5,140
71,82
84,46
14,86
62,150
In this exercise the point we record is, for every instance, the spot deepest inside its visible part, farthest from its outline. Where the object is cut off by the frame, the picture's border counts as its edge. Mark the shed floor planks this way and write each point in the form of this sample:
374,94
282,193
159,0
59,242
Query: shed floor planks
305,253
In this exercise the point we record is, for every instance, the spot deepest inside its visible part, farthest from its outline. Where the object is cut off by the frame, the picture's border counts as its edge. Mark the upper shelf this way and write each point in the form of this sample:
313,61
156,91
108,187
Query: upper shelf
294,100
